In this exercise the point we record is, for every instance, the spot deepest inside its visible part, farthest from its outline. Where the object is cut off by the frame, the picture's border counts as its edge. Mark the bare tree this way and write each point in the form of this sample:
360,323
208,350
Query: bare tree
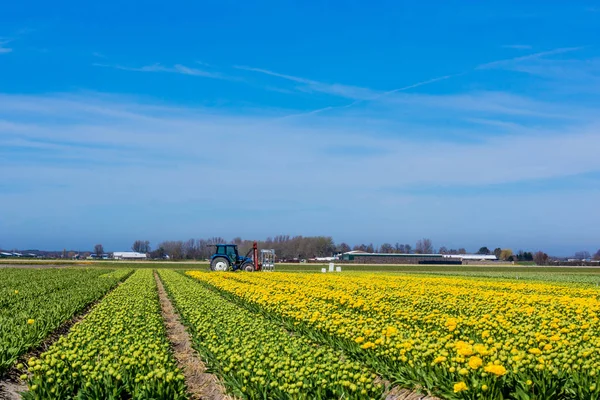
141,246
386,248
462,250
174,249
443,250
424,246
361,247
540,258
159,253
98,249
343,248
505,254
582,255
189,249
597,255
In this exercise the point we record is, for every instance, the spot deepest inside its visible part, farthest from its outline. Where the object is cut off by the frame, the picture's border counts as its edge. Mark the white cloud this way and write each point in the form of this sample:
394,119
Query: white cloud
177,68
512,61
98,128
517,46
171,168
309,85
3,48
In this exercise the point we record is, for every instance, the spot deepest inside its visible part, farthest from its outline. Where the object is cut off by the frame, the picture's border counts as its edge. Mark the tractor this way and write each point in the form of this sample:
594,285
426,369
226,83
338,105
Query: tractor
227,258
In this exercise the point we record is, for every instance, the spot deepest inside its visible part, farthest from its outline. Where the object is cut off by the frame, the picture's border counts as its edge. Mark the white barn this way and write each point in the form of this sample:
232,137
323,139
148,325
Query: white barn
129,255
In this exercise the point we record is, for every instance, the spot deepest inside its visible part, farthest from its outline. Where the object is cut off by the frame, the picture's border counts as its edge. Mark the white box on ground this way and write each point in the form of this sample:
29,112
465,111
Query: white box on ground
323,269
338,269
331,266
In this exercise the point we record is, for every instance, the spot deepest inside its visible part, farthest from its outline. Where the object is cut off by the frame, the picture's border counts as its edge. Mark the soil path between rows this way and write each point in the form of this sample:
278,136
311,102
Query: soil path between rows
397,393
200,384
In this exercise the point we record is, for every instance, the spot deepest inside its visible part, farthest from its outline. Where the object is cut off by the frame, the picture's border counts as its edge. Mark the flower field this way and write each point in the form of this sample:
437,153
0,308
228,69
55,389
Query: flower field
457,337
304,336
257,358
118,351
33,303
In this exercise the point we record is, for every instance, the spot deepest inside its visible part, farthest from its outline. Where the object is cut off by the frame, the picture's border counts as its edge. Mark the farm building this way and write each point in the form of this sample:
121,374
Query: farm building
128,255
361,257
472,257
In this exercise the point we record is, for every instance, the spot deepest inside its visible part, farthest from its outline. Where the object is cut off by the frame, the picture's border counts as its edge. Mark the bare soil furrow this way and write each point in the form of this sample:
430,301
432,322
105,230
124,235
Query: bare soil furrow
200,384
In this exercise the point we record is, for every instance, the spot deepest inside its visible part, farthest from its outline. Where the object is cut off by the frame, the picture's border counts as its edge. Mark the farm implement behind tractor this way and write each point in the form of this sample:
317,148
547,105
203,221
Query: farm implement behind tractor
227,258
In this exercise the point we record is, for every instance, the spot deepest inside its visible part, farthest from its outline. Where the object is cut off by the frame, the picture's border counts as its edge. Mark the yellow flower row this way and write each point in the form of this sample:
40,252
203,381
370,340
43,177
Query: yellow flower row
257,358
440,332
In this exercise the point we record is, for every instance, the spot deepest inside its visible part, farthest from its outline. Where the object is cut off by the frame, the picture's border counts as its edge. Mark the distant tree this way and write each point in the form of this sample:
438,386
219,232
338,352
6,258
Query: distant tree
189,249
484,250
597,255
540,258
174,249
64,253
523,256
343,248
370,248
462,250
158,253
141,246
386,248
582,255
443,250
505,254
360,247
424,246
497,252
98,249
403,248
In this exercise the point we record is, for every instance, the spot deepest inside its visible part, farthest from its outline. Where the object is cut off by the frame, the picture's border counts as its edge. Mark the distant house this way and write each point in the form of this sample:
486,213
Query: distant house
129,255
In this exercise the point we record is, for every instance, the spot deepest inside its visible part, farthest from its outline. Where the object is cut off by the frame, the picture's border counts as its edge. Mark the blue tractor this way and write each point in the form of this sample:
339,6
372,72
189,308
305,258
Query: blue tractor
227,258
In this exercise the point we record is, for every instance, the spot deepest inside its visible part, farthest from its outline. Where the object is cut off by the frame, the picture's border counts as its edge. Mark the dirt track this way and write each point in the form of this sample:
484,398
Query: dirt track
200,385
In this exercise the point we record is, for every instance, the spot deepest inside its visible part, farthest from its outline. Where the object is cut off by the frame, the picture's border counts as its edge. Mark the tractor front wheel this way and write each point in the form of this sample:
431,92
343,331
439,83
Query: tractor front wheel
219,264
248,267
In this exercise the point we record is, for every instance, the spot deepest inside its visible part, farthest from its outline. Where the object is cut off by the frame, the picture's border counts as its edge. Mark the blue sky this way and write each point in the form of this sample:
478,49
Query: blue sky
469,123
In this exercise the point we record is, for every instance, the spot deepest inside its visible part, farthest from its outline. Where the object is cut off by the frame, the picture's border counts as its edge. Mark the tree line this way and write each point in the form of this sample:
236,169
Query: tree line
290,248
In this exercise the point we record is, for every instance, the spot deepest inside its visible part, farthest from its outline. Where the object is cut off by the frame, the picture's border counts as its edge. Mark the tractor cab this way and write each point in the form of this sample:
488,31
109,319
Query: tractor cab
227,258
228,250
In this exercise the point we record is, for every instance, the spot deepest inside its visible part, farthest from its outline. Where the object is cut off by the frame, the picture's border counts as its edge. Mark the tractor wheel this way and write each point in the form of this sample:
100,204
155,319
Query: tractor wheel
248,267
219,264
